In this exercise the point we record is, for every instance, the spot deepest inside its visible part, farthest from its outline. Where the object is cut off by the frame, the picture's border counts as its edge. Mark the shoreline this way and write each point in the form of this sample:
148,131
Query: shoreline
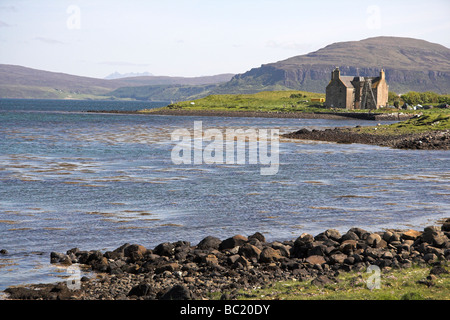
182,271
262,114
430,140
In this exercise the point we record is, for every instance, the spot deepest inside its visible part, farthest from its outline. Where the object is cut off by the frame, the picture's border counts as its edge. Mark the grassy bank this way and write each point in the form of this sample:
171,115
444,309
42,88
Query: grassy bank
413,283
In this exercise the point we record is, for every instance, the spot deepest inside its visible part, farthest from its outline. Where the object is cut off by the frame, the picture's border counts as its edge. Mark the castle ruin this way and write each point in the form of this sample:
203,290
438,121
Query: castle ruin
352,92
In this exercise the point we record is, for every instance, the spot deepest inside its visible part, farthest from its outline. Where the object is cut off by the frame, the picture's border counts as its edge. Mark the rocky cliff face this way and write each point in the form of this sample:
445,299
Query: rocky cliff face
410,65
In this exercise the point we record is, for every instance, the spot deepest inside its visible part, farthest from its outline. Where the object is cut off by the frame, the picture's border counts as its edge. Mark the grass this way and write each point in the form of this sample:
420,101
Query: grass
424,123
396,284
274,101
266,101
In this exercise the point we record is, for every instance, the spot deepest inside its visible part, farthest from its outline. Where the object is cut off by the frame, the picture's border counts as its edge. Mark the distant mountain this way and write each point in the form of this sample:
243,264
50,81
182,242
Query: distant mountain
23,82
117,75
410,64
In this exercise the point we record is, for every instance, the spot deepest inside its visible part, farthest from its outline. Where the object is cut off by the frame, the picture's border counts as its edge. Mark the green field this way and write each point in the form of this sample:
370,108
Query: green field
266,101
276,101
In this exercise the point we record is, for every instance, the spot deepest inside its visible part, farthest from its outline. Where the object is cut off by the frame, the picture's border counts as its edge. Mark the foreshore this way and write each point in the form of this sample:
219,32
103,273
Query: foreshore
431,140
225,268
261,114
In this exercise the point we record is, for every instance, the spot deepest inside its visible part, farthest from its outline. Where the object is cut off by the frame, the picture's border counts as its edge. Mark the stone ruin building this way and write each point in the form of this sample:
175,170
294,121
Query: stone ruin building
352,92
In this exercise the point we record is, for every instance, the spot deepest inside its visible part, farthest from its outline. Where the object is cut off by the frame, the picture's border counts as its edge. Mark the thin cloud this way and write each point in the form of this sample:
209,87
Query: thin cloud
49,41
4,24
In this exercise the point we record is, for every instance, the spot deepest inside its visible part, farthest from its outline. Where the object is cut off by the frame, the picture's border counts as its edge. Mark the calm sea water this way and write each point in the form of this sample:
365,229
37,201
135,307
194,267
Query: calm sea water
96,181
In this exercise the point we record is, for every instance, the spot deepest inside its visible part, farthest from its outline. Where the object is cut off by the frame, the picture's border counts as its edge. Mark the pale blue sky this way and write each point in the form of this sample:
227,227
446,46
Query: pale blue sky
198,37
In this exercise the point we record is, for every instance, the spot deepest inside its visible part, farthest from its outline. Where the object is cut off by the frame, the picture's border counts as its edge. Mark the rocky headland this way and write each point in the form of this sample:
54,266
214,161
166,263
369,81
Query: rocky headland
182,271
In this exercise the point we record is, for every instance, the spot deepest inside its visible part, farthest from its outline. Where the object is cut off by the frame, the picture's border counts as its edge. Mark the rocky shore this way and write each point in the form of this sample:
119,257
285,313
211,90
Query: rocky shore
263,114
433,140
182,271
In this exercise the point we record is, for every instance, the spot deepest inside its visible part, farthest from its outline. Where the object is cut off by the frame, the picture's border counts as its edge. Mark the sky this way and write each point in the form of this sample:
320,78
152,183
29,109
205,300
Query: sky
191,38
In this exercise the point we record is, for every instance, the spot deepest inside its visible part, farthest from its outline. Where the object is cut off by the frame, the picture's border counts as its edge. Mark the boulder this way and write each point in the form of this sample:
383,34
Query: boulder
210,260
142,289
235,241
165,249
358,231
373,239
269,254
411,234
259,236
134,248
333,234
56,257
321,281
171,267
338,258
177,292
250,252
350,235
315,259
446,225
348,246
209,243
302,244
434,236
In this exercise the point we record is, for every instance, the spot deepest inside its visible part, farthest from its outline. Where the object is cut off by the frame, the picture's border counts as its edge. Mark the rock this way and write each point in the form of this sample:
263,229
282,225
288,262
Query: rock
316,259
269,254
210,260
358,231
373,239
321,281
387,236
338,258
233,242
318,249
134,248
303,239
177,292
411,234
241,263
142,289
333,234
56,257
348,246
284,250
446,225
209,243
350,235
429,257
250,252
171,267
438,270
259,236
3,251
165,249
434,236
302,244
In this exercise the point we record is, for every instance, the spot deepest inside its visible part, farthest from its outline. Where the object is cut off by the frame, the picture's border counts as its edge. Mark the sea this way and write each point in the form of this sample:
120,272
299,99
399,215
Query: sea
94,181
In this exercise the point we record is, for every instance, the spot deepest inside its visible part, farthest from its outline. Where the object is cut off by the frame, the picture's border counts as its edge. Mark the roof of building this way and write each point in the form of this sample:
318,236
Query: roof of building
347,81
